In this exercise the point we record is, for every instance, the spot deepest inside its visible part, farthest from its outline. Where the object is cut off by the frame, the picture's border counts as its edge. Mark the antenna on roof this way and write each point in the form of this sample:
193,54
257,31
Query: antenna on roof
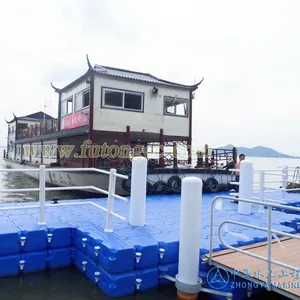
47,104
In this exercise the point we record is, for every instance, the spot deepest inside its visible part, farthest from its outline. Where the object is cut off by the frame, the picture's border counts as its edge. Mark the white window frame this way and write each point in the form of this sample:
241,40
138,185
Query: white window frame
174,114
82,94
66,103
123,99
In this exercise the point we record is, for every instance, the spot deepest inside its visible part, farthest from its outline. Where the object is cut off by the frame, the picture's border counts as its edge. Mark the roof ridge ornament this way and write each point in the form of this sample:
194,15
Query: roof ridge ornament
88,62
199,82
57,90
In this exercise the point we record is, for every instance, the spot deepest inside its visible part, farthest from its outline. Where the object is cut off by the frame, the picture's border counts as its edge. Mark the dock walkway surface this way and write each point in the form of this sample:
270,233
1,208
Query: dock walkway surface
128,258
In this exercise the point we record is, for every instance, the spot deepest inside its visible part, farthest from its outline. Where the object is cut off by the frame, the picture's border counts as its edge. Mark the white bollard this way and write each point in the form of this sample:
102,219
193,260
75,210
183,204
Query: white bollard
246,187
42,195
188,282
138,191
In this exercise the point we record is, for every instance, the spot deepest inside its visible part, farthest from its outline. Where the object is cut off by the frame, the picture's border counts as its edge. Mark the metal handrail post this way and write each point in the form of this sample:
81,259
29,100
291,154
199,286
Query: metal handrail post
42,195
285,178
261,190
270,206
110,199
269,246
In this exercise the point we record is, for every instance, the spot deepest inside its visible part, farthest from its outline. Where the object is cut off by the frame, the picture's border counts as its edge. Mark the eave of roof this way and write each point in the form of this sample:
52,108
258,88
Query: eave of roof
139,76
48,117
125,74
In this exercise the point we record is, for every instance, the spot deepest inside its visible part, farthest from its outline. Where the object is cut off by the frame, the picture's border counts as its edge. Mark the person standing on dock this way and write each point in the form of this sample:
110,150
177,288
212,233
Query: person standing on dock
237,173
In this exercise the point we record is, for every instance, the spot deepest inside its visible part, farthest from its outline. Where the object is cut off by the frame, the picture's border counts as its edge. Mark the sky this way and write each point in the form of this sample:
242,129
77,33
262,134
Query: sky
247,52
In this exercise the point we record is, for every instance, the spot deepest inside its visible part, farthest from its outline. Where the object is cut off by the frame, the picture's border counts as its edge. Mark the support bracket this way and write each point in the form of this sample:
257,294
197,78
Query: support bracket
195,289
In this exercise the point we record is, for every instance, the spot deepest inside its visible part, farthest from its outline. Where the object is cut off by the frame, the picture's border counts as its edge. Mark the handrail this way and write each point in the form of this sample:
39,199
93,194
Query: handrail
42,191
258,228
63,204
285,181
63,170
270,205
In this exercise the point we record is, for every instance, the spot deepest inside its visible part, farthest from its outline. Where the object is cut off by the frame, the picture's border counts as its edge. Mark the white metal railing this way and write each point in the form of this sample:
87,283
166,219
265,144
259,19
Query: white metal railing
262,184
269,230
42,192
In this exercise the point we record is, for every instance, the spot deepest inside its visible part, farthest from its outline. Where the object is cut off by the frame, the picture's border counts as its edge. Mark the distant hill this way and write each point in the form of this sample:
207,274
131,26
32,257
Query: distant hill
259,151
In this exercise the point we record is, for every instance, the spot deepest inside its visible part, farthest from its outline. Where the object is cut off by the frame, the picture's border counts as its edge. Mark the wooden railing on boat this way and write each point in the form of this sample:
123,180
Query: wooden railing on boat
42,128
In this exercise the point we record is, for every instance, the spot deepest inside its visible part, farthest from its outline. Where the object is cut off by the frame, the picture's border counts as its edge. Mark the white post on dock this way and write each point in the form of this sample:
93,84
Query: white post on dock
188,282
110,199
246,187
138,191
42,195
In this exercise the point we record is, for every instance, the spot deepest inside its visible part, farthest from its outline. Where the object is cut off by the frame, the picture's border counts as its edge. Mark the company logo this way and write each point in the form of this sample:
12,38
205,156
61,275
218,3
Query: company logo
217,278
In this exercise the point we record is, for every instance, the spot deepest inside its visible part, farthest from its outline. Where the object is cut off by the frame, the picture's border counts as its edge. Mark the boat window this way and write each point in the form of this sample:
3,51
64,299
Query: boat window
122,100
19,150
78,101
175,106
133,101
37,150
82,100
112,98
86,99
67,106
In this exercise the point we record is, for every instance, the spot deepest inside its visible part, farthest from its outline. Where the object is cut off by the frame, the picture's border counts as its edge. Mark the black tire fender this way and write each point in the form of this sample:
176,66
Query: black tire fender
204,186
161,187
212,185
126,184
149,188
174,183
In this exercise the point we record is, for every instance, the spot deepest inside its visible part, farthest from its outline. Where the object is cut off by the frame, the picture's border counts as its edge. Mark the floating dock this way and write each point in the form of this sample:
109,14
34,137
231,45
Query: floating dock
129,258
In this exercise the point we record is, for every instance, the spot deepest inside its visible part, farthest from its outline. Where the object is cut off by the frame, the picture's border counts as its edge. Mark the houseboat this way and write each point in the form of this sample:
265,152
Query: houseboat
107,116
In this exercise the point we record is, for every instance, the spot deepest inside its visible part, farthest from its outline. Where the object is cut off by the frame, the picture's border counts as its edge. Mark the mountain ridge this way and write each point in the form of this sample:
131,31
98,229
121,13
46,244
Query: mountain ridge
259,151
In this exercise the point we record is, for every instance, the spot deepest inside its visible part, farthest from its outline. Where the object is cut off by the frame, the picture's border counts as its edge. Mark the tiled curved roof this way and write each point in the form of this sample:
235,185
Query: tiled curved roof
127,74
145,77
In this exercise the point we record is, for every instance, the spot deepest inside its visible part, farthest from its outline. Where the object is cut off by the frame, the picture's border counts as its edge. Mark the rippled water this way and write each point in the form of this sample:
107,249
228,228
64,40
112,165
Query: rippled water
15,180
64,284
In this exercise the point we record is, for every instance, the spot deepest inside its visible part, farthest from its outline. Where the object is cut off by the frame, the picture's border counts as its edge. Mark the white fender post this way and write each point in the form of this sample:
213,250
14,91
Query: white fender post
138,191
188,282
246,187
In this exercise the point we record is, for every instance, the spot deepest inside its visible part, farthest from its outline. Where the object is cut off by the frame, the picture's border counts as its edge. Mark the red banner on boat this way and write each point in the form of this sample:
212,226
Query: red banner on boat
77,119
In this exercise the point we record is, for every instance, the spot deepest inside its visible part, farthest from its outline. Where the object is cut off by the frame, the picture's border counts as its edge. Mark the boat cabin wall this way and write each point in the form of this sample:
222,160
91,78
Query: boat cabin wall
37,150
11,138
72,157
75,106
148,110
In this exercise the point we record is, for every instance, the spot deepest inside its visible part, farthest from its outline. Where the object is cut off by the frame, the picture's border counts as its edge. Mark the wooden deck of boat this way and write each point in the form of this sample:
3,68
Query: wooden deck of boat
287,251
